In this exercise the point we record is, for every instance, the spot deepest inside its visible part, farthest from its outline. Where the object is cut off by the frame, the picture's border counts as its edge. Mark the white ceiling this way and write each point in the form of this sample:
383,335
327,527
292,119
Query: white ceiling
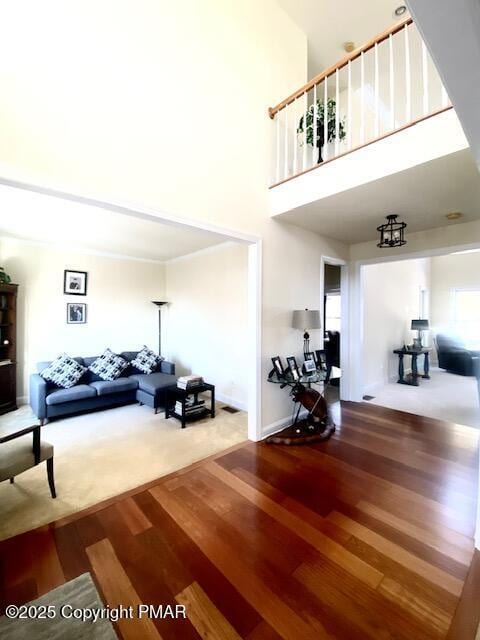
328,25
421,196
47,219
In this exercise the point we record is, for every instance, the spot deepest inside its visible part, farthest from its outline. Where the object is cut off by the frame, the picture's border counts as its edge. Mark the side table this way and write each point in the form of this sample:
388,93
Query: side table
412,379
174,394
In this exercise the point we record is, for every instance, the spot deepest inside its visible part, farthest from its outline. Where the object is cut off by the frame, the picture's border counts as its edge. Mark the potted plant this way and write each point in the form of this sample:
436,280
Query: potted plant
331,127
4,278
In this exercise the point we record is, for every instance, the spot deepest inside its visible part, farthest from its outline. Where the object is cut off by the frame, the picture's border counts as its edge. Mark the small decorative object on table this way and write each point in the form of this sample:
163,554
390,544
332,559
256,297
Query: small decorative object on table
183,403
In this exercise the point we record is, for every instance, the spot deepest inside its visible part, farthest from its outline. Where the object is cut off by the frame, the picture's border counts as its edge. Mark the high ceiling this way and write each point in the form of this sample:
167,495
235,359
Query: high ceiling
41,218
421,196
328,25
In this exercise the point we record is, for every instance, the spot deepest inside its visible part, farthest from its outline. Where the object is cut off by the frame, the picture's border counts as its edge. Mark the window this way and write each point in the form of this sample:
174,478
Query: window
333,312
467,315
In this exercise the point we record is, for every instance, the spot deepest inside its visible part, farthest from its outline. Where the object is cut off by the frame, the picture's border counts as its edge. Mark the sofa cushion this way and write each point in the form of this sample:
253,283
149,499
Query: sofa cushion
154,382
108,366
64,371
146,360
79,392
106,387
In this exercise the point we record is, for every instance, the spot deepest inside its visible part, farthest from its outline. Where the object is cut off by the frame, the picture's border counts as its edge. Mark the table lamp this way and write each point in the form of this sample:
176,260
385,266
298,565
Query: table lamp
419,326
305,319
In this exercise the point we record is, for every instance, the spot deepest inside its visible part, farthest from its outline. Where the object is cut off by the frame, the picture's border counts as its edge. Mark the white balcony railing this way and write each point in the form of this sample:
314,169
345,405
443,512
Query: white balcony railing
386,85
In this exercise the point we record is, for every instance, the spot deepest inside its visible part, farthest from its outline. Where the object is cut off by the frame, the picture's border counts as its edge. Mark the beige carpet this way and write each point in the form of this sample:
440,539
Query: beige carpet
445,396
102,454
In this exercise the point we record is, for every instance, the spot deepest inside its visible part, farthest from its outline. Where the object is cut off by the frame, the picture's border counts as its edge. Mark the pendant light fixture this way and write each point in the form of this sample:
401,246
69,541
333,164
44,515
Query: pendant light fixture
392,233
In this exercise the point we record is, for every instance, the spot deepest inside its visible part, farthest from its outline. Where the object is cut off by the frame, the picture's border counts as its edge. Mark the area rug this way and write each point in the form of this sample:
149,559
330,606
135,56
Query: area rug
102,454
78,594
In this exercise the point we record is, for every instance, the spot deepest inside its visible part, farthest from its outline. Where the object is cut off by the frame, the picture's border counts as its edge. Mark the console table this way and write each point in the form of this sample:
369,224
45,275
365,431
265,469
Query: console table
310,429
412,379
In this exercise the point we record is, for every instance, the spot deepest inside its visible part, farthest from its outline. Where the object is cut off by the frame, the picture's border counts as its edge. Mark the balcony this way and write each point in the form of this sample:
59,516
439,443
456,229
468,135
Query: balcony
379,111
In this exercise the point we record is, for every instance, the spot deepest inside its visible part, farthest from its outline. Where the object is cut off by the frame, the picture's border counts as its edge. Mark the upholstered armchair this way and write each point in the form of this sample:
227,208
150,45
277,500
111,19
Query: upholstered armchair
453,356
18,453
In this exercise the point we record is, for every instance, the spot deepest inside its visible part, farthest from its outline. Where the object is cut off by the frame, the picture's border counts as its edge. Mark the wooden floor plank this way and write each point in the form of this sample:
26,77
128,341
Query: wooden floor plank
205,617
411,562
118,589
467,615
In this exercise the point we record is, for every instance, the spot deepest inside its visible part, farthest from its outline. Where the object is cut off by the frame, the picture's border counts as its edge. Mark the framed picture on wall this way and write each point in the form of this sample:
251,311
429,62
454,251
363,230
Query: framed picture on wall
76,313
75,283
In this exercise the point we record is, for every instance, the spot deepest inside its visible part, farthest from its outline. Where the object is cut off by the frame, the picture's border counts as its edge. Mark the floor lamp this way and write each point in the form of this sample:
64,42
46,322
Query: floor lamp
159,304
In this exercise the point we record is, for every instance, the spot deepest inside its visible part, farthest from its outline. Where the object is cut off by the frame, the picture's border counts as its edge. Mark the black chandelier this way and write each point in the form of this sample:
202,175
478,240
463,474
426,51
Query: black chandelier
392,233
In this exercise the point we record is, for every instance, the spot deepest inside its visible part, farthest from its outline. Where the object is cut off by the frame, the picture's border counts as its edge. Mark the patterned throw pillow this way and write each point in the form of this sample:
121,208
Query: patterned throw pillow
108,366
146,360
64,372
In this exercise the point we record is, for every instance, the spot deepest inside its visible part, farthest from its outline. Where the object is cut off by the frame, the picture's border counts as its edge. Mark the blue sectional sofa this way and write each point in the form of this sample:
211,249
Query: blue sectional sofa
91,392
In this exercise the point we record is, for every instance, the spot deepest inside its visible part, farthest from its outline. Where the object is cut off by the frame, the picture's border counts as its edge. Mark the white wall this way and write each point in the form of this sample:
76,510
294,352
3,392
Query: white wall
206,319
449,273
391,298
165,104
120,314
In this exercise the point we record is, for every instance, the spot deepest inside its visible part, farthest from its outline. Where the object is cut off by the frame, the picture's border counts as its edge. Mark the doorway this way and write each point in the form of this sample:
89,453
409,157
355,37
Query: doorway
334,297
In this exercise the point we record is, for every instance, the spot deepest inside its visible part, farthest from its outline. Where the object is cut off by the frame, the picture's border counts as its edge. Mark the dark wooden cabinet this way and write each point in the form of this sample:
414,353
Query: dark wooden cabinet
8,347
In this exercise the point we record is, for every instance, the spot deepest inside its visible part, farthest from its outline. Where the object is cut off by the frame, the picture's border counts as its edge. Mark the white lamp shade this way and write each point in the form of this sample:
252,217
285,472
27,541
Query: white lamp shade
306,319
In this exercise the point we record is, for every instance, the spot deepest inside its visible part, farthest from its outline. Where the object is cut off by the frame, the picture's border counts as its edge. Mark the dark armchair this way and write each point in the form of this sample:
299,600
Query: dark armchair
453,356
18,453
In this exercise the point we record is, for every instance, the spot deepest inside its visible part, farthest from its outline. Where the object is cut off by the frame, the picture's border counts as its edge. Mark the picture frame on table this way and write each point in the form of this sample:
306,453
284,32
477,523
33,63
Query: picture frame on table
309,366
293,367
76,313
75,283
321,359
310,355
278,366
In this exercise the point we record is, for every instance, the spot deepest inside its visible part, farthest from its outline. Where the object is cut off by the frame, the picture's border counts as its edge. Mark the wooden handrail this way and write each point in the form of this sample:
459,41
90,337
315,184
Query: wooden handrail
398,26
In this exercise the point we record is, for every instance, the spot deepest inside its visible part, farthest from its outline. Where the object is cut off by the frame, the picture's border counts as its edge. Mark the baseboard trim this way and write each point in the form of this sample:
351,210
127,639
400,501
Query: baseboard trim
272,428
233,402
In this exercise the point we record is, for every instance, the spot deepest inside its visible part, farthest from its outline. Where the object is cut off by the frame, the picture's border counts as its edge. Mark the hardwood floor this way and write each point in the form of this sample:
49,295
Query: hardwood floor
368,535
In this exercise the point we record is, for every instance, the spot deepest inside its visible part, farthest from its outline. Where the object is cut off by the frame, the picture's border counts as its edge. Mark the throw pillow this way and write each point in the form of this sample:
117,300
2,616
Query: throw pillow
108,366
146,360
64,372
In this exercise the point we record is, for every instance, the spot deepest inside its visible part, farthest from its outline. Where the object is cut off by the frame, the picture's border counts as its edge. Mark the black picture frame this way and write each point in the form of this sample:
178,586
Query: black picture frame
293,367
75,282
278,366
321,359
310,355
76,313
